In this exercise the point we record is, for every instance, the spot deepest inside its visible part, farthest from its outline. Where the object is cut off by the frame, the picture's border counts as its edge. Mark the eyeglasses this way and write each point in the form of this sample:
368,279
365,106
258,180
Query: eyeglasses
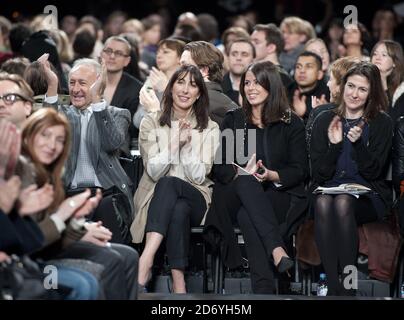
10,98
117,53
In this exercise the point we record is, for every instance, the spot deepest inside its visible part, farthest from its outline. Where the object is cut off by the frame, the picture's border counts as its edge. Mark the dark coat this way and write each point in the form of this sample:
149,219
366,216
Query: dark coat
19,235
372,158
126,96
285,152
219,103
228,88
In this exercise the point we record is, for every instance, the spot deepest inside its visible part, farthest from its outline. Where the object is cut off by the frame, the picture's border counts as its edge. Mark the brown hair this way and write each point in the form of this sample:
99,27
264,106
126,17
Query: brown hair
236,31
377,99
205,54
273,35
395,52
299,26
38,121
340,67
173,44
26,91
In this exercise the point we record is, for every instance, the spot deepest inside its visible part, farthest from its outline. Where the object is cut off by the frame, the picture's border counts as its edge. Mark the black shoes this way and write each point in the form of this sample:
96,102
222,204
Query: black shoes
285,264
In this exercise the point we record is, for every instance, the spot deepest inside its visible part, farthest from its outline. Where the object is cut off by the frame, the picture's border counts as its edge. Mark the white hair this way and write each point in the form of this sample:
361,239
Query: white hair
86,62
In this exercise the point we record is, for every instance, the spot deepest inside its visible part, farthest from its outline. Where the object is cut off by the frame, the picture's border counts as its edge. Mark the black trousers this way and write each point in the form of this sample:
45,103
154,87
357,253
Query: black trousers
260,227
176,206
120,262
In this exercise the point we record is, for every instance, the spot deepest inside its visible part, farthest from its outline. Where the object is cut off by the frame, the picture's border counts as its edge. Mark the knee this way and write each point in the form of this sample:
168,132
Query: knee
242,183
166,183
111,258
128,255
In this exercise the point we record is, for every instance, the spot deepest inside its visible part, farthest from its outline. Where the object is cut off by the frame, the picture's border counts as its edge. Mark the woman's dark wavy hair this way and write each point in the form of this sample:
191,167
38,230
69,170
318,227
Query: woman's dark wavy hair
276,105
395,52
377,99
201,105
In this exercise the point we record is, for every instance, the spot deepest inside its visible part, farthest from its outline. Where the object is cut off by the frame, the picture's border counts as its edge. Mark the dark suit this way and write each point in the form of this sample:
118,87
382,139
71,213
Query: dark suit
127,96
228,88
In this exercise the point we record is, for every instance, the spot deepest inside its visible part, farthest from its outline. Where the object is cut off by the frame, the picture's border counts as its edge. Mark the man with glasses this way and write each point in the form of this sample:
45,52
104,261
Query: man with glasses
15,99
122,89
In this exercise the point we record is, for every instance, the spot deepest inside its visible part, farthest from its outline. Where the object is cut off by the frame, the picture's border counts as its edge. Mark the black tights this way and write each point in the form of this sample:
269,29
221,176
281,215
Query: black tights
336,236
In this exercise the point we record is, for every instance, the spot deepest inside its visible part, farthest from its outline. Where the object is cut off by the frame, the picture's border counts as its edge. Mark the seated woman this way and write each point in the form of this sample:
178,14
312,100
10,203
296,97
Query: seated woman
45,145
273,192
177,145
337,71
350,144
388,56
20,235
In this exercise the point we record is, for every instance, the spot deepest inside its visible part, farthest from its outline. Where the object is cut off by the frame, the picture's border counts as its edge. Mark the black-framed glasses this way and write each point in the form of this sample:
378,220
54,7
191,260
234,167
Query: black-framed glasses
117,53
10,98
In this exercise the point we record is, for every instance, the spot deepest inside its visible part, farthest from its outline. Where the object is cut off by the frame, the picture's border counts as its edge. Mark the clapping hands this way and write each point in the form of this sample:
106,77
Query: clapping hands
335,130
51,76
79,205
158,79
149,100
98,87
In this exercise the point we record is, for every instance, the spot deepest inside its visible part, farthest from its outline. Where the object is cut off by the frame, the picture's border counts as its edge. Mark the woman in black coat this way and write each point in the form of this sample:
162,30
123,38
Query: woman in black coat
350,144
268,139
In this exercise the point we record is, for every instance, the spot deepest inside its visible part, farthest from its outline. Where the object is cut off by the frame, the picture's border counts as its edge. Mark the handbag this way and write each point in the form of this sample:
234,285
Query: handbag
22,279
306,248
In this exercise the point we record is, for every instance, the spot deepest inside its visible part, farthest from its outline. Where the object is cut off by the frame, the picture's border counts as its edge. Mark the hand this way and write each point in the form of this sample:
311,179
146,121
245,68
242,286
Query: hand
71,205
342,51
89,205
185,132
354,134
51,77
98,87
335,130
4,257
148,98
158,79
315,102
97,234
299,103
181,135
9,191
10,147
33,200
251,166
267,175
14,154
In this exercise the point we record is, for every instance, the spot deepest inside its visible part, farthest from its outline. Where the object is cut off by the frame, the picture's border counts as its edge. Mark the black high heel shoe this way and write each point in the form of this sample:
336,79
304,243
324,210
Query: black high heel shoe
285,264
